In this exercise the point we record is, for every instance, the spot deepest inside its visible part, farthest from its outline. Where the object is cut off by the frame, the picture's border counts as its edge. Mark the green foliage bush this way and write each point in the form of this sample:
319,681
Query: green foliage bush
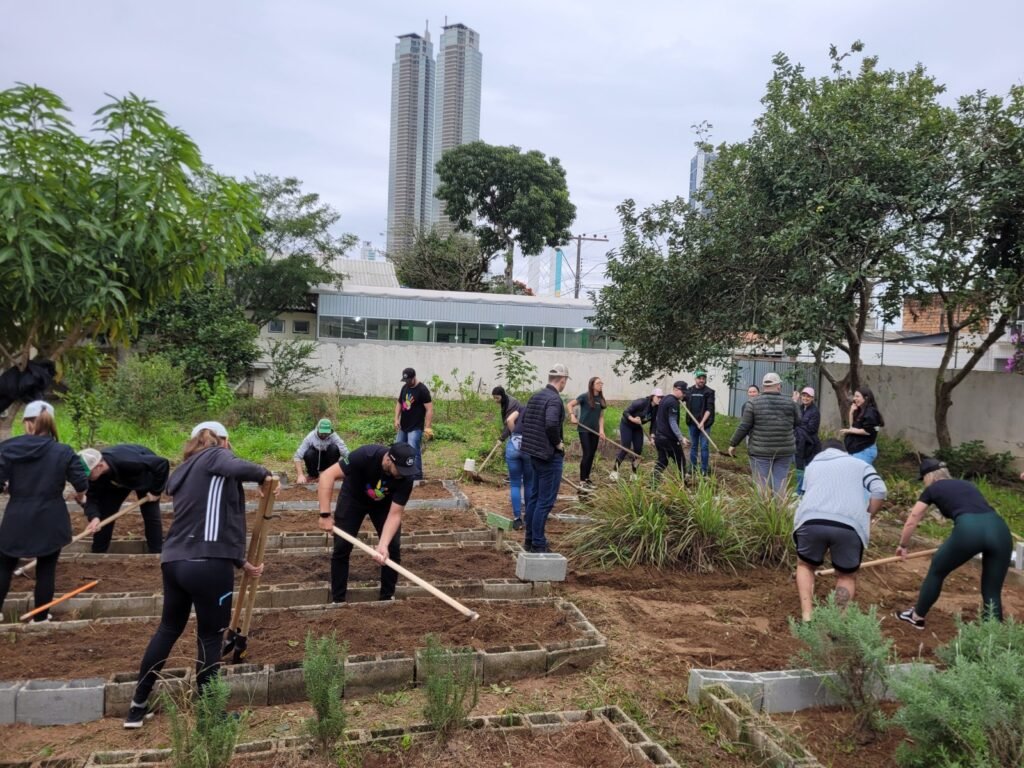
83,398
450,686
448,432
971,459
849,643
291,367
147,390
374,429
218,395
323,669
202,735
969,714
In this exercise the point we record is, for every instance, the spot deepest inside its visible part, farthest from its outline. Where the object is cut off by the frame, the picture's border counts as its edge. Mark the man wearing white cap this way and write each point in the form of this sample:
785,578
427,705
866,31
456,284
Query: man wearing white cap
543,442
631,428
770,420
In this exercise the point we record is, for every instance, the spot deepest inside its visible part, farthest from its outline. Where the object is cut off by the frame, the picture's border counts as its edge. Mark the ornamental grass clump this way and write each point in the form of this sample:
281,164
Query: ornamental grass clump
766,523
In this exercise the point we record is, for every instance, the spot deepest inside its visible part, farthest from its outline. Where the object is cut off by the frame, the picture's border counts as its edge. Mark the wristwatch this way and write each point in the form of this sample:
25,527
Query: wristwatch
325,514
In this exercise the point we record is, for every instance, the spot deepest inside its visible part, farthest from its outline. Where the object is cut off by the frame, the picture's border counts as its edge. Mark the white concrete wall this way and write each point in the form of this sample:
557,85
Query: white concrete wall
358,367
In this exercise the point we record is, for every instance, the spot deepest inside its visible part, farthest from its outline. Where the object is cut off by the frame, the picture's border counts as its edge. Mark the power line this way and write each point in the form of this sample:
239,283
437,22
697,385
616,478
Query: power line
579,257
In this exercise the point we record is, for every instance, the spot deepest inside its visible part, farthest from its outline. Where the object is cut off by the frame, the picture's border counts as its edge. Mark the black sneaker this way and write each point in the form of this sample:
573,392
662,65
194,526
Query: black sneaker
137,716
908,616
517,524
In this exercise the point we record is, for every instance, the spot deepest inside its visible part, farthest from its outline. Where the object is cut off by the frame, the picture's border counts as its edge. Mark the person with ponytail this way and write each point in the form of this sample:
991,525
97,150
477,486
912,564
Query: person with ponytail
34,468
520,468
587,410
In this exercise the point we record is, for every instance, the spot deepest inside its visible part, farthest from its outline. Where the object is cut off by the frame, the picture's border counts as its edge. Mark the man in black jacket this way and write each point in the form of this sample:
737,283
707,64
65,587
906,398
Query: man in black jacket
116,472
668,438
700,402
542,442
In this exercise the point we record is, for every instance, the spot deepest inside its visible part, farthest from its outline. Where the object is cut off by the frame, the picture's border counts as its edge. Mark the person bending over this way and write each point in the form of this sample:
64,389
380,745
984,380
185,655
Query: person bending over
321,448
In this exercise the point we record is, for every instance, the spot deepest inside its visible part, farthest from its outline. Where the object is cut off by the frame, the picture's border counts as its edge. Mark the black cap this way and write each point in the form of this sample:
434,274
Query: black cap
679,385
404,456
930,465
408,373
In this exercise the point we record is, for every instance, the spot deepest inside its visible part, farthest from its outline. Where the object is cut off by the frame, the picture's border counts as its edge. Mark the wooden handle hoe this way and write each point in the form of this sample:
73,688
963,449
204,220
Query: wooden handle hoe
882,561
470,614
581,425
23,571
697,422
61,599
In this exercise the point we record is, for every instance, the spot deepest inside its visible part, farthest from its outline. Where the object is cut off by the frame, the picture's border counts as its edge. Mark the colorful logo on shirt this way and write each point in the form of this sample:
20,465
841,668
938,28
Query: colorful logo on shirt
408,402
379,492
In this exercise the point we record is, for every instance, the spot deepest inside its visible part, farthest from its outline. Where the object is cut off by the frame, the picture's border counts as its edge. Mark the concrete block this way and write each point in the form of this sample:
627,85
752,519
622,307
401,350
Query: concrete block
541,566
576,655
296,595
60,702
285,683
118,692
545,722
124,605
513,662
745,684
507,589
380,672
8,700
1018,556
795,689
249,684
652,753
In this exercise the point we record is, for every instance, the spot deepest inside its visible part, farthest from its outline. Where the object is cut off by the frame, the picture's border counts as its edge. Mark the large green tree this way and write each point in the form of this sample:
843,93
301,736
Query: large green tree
96,231
452,262
506,197
293,249
808,218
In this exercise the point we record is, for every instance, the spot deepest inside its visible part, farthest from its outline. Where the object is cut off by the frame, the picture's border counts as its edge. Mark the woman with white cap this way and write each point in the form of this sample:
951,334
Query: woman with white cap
204,546
33,470
806,434
631,428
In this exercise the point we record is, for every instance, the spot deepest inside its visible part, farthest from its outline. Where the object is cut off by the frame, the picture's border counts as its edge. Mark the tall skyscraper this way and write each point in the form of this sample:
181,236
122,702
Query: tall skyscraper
698,165
411,167
457,98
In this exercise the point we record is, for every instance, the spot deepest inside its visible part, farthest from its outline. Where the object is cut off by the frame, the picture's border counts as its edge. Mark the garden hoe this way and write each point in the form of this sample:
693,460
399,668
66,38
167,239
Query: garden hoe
883,561
241,619
468,613
470,467
61,599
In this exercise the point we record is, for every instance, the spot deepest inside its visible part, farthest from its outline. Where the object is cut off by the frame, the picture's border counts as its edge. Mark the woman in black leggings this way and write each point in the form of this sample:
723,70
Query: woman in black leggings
631,429
204,546
33,470
977,529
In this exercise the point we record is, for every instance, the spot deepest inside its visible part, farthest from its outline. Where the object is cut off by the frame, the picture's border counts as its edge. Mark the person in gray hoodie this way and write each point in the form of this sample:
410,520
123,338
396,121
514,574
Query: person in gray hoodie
832,516
204,546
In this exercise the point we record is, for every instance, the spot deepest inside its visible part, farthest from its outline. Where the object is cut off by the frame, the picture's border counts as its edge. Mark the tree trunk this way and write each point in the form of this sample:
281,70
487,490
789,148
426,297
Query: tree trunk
509,256
943,402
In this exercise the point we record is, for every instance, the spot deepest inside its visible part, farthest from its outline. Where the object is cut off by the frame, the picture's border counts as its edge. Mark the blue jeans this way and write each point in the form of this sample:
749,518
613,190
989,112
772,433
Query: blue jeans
520,473
697,438
540,500
868,455
413,438
770,472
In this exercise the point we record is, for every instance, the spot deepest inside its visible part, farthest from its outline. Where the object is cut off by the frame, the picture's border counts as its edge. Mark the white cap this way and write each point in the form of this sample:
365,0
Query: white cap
214,426
36,407
91,457
559,369
771,379
657,392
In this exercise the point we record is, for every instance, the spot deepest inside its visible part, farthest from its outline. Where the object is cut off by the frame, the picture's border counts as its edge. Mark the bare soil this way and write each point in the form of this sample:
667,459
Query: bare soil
827,733
429,490
142,573
100,649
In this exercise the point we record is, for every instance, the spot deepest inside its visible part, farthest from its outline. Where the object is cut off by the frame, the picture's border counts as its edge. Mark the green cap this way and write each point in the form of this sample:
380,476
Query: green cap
324,427
700,372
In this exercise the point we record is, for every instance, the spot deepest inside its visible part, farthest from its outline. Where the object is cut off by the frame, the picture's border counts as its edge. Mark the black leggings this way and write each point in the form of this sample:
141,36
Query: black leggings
631,436
668,450
206,584
110,502
46,579
350,521
588,442
986,534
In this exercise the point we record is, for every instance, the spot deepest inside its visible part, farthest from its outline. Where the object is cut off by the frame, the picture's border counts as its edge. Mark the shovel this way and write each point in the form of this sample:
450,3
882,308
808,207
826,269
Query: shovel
238,631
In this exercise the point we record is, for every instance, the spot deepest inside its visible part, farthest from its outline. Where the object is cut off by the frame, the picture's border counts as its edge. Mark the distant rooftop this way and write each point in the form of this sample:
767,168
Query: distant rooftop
360,273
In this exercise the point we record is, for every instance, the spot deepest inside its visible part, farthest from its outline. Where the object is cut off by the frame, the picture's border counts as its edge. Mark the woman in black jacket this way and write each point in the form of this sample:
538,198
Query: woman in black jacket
861,436
205,543
631,429
806,434
33,470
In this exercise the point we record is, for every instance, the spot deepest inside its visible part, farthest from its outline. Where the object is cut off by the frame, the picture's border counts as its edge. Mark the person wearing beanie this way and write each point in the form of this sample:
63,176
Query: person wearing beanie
668,438
116,472
414,414
34,468
631,428
700,403
204,546
806,434
321,448
770,420
977,530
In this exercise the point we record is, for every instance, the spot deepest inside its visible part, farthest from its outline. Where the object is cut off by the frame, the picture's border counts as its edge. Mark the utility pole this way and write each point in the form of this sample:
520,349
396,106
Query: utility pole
579,257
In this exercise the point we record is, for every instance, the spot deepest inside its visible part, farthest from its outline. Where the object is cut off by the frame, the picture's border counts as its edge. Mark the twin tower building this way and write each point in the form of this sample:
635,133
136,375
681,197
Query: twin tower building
435,105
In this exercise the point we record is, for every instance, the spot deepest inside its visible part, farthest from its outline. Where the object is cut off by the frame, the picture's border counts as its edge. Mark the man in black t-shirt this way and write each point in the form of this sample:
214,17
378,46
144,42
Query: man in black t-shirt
376,481
414,413
668,438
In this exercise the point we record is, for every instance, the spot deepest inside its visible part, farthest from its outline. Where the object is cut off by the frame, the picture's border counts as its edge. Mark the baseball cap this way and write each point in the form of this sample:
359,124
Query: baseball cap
214,426
700,372
679,385
559,369
324,427
930,465
408,373
771,379
33,409
657,392
90,457
404,456
807,391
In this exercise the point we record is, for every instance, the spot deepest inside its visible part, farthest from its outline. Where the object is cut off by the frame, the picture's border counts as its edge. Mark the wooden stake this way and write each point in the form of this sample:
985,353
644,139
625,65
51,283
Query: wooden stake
61,599
883,561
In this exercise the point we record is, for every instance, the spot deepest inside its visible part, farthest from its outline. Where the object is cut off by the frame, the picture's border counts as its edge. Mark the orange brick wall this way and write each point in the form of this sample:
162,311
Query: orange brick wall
930,318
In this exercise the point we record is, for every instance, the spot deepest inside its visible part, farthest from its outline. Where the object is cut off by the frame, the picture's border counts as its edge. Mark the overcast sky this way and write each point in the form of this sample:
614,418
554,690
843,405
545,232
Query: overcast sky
302,88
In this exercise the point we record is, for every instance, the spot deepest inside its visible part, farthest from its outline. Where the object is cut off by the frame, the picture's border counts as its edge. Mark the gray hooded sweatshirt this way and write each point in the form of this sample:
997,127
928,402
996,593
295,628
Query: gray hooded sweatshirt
835,484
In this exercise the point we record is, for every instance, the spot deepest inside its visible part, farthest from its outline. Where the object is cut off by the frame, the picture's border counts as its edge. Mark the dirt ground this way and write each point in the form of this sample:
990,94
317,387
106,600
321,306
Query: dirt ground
826,733
428,490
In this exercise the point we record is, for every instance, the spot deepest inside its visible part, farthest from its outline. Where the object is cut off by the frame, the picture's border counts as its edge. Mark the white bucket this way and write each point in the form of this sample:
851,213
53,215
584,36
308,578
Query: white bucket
470,465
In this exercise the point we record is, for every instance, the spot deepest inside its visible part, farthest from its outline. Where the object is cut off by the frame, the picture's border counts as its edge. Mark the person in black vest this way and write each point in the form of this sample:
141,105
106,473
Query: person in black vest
205,544
542,441
700,400
114,473
376,481
668,438
33,470
631,428
414,413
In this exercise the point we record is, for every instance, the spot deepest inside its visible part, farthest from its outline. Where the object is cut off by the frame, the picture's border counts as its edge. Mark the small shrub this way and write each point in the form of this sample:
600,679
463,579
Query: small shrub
705,536
83,398
517,373
323,668
146,390
970,459
450,685
448,432
849,643
218,395
374,429
970,713
267,412
291,367
202,735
